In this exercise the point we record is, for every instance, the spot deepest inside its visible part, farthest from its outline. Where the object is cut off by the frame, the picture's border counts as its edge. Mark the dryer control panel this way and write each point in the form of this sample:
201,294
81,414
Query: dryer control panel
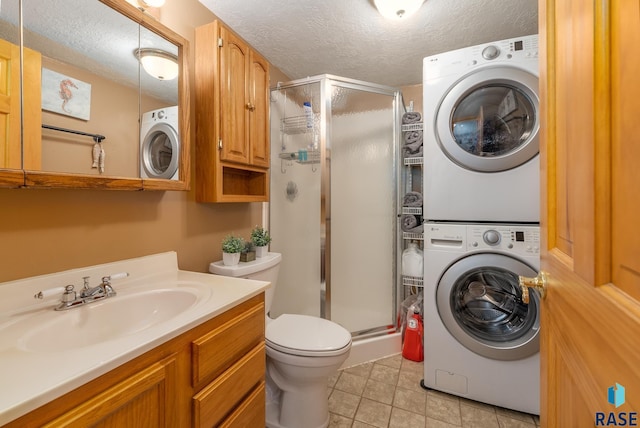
517,239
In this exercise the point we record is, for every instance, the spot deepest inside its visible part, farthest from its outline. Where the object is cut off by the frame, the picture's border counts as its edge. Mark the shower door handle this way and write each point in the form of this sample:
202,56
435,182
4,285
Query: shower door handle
539,283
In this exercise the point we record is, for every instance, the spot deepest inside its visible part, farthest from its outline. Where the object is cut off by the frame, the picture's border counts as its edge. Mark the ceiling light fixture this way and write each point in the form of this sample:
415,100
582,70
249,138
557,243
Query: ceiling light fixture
158,63
397,9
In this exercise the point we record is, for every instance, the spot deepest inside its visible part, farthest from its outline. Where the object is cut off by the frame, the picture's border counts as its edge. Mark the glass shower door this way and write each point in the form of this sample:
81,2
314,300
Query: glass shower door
362,212
333,201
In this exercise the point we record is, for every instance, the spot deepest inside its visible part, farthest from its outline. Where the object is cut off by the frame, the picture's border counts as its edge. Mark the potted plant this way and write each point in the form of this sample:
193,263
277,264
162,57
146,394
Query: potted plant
260,239
232,246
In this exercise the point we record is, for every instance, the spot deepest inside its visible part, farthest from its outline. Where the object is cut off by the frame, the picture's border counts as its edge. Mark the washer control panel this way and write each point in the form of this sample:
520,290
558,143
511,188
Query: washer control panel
510,238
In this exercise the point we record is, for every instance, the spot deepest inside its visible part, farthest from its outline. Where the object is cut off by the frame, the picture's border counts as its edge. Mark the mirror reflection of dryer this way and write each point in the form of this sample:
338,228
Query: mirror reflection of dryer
481,341
160,144
481,123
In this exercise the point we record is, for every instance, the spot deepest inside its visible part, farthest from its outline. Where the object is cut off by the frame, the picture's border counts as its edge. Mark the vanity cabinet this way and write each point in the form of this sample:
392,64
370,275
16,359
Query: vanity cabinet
211,375
232,117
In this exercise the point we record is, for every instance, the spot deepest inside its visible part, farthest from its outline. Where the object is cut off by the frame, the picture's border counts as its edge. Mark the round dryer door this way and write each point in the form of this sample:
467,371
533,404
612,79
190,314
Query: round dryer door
160,152
480,303
488,121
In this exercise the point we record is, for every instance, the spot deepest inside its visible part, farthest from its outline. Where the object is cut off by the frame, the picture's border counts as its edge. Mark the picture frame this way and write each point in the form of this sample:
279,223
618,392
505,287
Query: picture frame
65,95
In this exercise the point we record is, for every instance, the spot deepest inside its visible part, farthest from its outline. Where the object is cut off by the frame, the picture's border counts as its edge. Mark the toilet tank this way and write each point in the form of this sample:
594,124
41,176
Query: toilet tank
261,269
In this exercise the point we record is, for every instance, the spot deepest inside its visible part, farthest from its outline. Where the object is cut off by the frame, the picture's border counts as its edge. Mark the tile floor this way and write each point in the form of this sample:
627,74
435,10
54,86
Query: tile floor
386,393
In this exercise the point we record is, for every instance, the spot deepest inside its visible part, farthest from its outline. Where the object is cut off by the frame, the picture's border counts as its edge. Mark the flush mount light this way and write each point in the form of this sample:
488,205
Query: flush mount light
158,63
397,9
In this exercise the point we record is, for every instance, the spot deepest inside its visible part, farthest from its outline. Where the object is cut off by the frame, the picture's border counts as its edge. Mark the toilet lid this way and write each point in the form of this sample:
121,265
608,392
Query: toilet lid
307,336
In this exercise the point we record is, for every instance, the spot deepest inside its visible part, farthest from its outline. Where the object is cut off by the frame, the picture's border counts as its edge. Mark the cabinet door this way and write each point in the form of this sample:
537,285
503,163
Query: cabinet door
144,400
259,110
234,109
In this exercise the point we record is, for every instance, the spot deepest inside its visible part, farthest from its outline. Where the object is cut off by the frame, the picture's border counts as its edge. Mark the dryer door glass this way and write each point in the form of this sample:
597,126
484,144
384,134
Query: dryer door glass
160,153
488,121
493,120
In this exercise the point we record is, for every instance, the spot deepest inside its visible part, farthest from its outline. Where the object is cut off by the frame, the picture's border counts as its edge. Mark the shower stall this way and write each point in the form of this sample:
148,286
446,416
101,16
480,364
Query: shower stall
334,196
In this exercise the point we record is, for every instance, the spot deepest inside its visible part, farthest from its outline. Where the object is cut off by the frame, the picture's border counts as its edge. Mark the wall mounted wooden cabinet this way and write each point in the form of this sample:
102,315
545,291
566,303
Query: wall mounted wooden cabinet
232,118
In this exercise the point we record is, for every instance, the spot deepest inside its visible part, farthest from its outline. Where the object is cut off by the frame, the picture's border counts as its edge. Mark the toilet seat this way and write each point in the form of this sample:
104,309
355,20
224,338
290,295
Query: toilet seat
305,335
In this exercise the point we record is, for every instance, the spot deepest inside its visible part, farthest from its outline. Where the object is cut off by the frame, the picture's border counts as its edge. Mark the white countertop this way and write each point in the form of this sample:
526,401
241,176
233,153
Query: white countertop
29,379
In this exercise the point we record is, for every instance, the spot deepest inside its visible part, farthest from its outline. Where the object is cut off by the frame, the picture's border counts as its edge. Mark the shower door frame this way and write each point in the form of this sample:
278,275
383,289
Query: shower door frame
327,83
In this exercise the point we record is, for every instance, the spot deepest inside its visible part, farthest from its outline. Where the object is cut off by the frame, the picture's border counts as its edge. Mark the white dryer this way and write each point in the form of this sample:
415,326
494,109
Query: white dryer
481,341
481,122
160,144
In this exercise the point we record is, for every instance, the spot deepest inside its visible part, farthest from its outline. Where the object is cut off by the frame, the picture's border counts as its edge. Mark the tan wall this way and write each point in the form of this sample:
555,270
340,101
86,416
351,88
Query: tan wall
44,231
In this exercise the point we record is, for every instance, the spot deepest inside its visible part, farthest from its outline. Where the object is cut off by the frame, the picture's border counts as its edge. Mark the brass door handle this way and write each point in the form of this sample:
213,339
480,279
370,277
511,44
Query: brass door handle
539,283
250,107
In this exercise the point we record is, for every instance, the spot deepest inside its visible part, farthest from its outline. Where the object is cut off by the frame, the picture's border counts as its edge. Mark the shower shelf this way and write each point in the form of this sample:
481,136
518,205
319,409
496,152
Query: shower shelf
414,281
411,235
313,157
295,125
412,127
412,210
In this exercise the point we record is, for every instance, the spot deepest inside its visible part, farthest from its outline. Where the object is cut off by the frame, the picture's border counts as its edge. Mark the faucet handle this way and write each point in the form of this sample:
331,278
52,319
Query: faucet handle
106,280
50,292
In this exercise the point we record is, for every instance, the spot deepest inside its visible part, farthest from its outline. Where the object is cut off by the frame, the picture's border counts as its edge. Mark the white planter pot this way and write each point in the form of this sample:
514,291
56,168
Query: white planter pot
261,251
230,259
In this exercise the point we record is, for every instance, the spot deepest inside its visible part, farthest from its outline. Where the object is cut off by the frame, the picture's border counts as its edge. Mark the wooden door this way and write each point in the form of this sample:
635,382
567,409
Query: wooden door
590,99
259,129
234,113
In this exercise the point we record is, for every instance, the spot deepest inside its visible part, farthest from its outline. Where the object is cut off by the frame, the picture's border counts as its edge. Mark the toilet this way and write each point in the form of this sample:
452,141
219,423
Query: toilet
302,353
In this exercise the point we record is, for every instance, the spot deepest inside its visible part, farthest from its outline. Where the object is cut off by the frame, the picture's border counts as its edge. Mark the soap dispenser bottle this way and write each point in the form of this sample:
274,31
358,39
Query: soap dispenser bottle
412,261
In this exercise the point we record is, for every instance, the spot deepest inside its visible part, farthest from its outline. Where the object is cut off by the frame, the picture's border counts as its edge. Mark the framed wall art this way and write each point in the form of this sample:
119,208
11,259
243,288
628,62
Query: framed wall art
65,95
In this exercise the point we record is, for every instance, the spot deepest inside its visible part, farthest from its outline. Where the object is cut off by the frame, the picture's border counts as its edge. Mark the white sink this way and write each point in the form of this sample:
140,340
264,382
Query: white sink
108,319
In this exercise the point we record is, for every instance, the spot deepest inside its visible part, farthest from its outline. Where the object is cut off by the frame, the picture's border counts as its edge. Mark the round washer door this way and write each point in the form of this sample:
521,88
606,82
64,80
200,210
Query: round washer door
480,303
160,151
488,121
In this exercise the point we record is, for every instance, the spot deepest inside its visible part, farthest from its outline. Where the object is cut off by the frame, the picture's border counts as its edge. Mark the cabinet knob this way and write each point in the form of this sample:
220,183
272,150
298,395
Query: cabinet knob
250,107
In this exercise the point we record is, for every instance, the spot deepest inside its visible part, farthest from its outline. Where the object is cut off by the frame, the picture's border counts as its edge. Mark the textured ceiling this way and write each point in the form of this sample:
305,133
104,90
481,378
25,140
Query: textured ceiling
89,35
350,38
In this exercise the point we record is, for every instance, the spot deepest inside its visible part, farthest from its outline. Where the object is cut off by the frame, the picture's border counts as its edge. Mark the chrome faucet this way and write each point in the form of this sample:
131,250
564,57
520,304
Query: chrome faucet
71,299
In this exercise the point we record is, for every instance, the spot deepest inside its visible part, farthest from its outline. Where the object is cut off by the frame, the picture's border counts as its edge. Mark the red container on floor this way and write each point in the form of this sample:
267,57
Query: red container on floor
412,347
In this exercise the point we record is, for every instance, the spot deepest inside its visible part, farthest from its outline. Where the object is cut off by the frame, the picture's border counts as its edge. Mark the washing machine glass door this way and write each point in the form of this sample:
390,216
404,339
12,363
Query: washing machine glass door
488,121
480,303
160,151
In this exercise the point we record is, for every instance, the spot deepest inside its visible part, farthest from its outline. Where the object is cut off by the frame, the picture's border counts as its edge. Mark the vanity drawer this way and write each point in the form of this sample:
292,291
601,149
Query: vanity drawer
215,351
222,395
251,413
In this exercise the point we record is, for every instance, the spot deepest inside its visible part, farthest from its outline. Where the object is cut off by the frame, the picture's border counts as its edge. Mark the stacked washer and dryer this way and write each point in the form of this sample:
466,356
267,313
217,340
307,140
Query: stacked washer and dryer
481,206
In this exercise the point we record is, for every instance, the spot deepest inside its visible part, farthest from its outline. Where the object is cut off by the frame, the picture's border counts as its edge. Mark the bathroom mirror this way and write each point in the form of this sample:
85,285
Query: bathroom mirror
93,94
10,137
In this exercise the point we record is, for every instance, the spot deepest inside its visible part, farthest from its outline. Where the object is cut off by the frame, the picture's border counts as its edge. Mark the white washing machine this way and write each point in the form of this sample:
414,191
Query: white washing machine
160,144
481,122
481,341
